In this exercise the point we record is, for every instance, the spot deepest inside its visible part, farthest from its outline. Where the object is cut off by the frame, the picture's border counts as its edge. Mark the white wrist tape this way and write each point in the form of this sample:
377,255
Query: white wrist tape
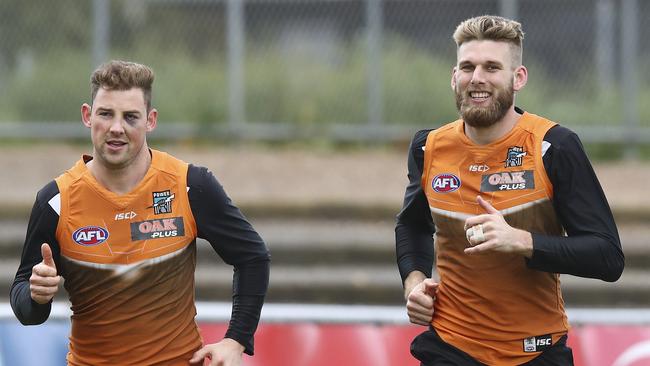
475,232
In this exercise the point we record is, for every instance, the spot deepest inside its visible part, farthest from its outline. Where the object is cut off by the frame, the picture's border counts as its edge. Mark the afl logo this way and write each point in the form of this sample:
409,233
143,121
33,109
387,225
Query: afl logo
90,235
445,183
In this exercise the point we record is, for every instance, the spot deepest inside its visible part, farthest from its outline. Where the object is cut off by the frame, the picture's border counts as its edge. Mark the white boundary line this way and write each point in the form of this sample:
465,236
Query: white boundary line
318,313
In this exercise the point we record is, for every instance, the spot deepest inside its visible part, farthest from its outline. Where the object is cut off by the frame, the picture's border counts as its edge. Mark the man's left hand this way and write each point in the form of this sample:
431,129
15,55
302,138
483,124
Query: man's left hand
497,236
227,352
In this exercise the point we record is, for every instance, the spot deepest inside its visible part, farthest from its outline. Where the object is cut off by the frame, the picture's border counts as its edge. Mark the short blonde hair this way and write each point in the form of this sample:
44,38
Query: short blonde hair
123,75
493,28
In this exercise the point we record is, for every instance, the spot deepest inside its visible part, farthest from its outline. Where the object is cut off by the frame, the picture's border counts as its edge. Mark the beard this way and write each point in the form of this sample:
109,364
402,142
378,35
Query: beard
481,117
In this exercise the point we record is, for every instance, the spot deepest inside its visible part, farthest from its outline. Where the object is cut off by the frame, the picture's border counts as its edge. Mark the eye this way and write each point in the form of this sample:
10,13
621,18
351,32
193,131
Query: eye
104,113
130,117
467,67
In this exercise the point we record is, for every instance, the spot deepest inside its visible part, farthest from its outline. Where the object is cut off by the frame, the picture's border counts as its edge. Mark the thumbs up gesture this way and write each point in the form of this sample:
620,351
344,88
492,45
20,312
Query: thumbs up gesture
44,282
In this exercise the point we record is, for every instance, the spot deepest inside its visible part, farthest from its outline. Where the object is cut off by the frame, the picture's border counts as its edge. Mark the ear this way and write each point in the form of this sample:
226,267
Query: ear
86,112
520,78
453,78
152,119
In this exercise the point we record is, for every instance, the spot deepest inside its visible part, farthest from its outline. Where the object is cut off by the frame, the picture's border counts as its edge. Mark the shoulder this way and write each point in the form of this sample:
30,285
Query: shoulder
561,142
49,191
559,135
205,192
418,143
420,138
168,163
555,134
48,201
447,132
74,174
196,173
563,150
200,177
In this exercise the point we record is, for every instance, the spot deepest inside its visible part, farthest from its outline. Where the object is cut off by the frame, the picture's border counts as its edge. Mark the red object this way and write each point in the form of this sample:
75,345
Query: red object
212,332
574,342
285,344
299,344
397,343
615,345
313,344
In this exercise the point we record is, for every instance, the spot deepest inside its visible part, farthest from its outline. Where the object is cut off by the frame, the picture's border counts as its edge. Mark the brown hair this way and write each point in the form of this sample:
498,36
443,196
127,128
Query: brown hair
123,75
494,28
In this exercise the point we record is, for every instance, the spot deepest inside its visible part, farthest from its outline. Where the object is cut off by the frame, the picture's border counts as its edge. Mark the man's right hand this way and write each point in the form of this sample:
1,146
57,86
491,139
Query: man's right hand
44,282
420,300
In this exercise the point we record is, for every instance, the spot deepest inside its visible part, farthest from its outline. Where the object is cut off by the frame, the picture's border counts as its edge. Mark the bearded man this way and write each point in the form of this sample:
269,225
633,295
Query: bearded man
513,202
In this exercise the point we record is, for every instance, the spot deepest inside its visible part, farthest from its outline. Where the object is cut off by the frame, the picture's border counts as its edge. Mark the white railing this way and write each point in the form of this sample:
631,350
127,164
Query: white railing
319,313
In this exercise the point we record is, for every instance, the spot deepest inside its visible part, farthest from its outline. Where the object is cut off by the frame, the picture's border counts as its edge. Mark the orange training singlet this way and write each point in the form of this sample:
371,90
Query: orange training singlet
491,305
128,263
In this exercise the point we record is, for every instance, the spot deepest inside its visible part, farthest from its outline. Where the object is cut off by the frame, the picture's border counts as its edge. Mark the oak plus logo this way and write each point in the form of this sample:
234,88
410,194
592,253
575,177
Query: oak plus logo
445,183
157,229
508,181
90,235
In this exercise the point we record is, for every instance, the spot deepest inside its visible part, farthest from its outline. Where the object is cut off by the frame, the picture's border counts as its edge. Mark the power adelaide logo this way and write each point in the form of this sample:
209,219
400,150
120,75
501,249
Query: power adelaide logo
157,229
514,156
162,202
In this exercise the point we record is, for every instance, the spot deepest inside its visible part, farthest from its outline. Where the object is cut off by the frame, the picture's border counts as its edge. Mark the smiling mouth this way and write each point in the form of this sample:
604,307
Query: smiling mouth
479,96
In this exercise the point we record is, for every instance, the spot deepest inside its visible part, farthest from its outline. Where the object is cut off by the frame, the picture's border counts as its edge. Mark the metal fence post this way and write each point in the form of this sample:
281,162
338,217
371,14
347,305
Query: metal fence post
374,17
101,31
605,44
630,87
236,92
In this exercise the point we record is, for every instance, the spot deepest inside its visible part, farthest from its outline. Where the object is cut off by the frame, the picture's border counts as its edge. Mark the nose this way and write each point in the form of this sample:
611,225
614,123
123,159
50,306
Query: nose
478,76
116,127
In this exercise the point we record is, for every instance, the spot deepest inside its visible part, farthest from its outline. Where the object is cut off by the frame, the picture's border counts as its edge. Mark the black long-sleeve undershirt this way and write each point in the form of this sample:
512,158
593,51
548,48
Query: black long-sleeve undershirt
223,225
40,229
592,248
218,221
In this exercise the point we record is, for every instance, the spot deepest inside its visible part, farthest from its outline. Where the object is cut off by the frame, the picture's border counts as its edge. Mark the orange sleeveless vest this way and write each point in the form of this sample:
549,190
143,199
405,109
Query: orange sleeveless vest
128,262
491,305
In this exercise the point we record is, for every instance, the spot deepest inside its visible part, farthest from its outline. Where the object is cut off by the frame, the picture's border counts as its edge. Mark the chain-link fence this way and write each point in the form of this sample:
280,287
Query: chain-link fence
342,69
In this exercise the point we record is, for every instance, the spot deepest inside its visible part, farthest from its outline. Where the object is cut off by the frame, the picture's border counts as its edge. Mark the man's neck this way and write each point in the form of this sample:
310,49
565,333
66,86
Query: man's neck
487,135
121,180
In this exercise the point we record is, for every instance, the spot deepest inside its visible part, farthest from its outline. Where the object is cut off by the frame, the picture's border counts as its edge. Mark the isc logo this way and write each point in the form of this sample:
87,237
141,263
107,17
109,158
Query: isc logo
478,168
90,235
445,183
538,343
125,216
